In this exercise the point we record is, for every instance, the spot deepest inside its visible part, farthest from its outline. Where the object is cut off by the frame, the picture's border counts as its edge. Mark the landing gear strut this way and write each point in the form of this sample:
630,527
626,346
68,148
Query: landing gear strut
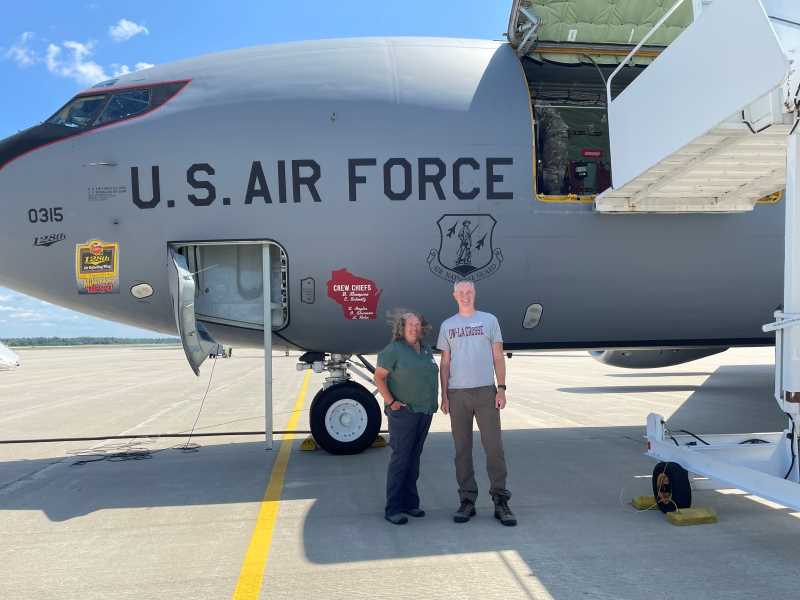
345,416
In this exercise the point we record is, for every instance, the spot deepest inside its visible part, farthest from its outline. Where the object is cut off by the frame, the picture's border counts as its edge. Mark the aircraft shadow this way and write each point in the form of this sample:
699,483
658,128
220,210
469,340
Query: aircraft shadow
655,375
216,474
734,399
350,487
628,389
577,537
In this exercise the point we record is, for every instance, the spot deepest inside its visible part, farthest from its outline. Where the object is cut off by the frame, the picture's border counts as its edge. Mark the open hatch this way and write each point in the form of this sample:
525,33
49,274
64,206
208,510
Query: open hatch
570,120
222,284
568,50
657,106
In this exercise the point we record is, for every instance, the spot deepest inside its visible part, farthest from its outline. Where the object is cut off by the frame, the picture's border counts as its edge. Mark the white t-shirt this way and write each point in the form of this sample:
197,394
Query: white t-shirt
469,341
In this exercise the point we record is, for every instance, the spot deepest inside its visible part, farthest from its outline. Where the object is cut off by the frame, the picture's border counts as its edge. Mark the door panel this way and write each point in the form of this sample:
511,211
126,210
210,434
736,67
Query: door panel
197,343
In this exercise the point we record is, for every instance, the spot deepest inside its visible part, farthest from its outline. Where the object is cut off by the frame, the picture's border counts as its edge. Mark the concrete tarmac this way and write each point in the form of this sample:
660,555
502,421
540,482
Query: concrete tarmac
178,524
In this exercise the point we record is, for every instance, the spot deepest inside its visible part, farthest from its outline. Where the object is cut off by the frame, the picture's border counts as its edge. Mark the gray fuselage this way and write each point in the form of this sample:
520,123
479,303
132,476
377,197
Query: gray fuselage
406,162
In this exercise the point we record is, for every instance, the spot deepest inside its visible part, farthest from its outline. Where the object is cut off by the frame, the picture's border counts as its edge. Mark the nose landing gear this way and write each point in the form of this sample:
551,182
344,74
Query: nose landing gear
345,417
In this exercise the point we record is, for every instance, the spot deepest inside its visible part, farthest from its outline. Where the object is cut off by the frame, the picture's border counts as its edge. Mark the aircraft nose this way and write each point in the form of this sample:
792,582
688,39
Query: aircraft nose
26,141
28,213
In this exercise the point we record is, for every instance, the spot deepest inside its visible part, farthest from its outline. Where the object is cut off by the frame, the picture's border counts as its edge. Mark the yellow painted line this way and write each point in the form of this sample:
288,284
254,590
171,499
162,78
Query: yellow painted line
251,575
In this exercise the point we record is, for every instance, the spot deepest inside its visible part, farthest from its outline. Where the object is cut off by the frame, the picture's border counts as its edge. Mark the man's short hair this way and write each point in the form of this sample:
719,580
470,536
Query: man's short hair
463,281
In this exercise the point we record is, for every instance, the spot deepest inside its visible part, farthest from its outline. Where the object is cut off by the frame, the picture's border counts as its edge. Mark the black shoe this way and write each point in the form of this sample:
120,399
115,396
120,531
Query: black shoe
503,514
397,519
465,512
415,512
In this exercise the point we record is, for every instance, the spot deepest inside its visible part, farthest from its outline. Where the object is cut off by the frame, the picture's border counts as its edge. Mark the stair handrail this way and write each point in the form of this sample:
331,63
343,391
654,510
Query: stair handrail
633,52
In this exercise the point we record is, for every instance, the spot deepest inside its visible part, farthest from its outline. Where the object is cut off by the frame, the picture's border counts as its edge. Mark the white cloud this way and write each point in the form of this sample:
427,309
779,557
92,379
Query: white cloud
30,315
125,30
125,69
7,308
76,65
21,52
43,316
70,59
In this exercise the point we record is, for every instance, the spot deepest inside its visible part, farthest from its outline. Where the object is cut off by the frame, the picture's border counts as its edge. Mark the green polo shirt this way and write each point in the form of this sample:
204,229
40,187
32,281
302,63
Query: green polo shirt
413,376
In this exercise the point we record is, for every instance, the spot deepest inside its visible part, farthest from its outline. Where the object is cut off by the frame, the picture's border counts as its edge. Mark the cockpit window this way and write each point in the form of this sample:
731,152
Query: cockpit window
95,110
125,105
91,111
80,112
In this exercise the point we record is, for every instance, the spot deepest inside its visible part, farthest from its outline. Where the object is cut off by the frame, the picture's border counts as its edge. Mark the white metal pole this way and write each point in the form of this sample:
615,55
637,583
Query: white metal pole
790,342
791,273
266,273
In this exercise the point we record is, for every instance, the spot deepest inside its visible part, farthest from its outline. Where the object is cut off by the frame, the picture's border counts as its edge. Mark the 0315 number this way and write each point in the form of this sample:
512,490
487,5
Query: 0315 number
46,215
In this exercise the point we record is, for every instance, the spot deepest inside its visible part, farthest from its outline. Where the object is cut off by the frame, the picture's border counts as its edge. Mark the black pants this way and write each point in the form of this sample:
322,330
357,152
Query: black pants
407,433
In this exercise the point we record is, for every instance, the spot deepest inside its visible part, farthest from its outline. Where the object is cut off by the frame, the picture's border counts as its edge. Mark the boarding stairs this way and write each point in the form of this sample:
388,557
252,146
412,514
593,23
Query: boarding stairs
704,128
712,126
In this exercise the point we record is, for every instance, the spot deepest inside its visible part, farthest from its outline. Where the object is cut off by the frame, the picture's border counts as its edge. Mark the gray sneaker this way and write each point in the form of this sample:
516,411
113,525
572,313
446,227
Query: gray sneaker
465,512
503,514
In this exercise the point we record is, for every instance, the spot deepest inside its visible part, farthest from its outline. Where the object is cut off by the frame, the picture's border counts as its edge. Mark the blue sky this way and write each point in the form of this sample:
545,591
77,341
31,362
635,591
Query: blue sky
51,49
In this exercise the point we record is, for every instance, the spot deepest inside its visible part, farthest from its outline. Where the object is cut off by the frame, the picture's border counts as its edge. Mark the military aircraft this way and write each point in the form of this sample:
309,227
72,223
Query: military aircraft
8,358
377,172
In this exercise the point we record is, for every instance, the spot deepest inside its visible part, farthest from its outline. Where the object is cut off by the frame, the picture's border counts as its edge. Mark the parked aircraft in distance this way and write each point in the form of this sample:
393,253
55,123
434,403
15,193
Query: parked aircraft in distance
8,358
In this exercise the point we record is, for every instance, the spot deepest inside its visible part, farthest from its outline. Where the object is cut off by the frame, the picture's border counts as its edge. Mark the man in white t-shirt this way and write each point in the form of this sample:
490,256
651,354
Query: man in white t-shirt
472,355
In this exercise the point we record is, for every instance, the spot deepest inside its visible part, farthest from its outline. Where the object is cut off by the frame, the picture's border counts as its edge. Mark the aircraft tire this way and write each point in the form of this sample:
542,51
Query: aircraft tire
345,418
671,487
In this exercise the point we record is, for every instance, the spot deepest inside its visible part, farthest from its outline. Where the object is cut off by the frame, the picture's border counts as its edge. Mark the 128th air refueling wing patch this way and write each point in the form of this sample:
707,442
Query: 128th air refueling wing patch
97,267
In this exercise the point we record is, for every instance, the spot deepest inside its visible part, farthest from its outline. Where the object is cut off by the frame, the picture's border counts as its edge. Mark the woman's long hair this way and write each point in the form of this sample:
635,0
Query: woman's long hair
397,320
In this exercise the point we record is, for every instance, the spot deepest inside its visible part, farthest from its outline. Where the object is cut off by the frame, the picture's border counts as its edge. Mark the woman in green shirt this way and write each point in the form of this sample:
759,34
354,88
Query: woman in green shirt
407,378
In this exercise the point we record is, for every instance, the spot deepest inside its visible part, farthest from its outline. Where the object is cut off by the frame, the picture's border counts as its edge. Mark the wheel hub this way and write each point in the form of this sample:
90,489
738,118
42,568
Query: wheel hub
346,420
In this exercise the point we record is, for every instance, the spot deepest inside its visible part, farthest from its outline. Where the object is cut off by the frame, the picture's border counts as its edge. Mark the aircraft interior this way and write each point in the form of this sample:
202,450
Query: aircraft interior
570,115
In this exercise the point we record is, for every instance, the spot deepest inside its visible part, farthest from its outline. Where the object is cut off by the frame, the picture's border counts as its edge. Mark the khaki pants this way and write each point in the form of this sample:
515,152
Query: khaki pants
479,404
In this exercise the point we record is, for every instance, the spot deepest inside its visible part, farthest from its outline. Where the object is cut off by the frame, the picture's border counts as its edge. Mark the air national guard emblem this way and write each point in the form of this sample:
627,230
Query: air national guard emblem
465,248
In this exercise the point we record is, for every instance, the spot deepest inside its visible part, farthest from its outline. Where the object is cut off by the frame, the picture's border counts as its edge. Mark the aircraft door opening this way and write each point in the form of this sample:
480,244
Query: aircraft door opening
222,283
230,288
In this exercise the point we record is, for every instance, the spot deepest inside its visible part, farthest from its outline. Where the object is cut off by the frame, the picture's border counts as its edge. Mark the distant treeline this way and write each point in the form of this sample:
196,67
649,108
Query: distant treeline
85,341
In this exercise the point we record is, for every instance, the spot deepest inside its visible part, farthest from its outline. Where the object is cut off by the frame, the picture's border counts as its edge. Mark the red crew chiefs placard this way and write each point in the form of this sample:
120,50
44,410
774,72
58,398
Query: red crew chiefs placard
357,296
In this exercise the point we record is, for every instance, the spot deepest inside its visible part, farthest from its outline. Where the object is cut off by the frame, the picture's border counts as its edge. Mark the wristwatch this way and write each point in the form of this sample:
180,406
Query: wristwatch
502,386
